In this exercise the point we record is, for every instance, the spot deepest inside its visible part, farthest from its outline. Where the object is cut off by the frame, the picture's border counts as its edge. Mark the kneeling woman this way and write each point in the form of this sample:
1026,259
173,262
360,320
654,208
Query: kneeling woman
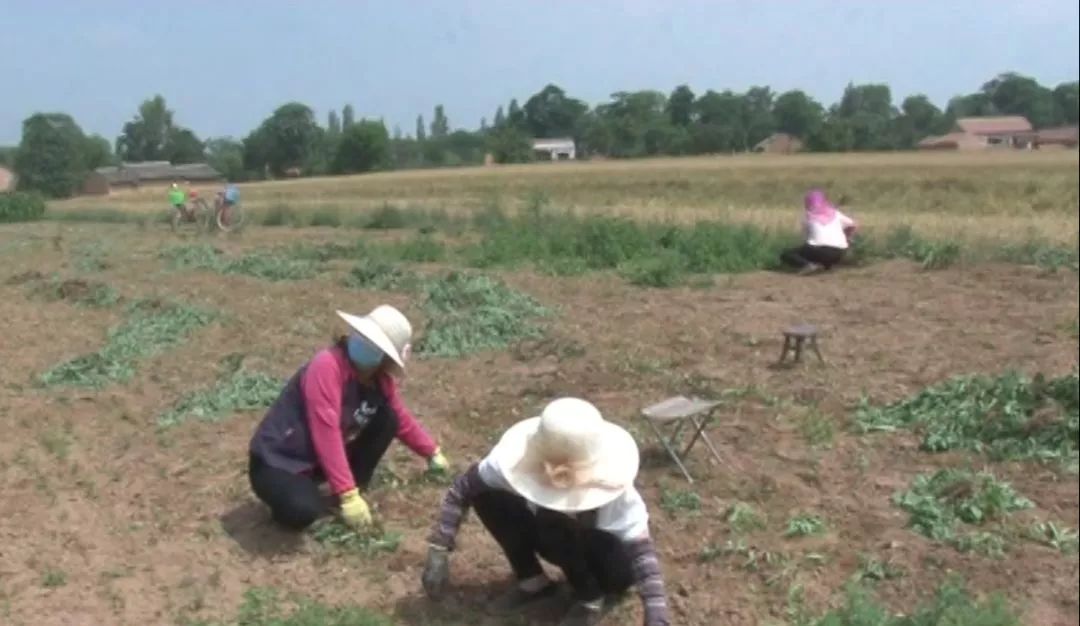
334,420
559,487
826,232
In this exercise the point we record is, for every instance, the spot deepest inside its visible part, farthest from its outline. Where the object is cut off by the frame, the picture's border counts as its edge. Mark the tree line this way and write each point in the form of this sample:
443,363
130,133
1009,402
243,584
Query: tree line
55,154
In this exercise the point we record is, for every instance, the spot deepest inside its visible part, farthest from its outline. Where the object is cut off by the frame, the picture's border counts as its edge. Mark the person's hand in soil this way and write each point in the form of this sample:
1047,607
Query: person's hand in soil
438,464
436,571
354,511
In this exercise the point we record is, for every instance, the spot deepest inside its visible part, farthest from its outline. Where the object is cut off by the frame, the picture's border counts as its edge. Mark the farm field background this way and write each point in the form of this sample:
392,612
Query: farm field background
136,362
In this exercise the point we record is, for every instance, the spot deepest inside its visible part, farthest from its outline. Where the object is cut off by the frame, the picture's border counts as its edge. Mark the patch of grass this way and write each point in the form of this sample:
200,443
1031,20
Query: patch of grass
952,605
239,391
470,313
280,215
666,269
57,442
271,266
422,249
102,216
151,327
873,569
816,428
1008,417
804,525
382,275
90,259
680,501
940,503
83,292
742,517
331,533
53,578
387,217
328,216
264,607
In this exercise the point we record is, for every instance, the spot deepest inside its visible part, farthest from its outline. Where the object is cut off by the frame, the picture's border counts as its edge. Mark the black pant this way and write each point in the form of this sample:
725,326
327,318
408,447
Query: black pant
294,499
806,254
594,562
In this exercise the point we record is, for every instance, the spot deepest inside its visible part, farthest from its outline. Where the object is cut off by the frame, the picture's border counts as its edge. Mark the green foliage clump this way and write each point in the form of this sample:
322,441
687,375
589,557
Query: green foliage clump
151,327
21,206
382,276
369,542
240,391
953,605
804,525
1008,416
470,313
264,265
939,503
263,607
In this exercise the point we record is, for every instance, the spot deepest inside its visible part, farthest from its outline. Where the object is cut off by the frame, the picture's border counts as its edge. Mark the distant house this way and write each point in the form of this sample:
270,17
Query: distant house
7,180
1060,137
979,133
779,143
105,180
555,149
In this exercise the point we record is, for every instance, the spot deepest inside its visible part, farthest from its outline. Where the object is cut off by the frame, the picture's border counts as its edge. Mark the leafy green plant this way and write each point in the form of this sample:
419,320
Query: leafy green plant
53,578
470,313
151,327
874,569
804,525
240,391
422,249
680,501
816,428
742,517
272,266
1009,416
331,533
382,276
264,607
940,503
1061,538
21,206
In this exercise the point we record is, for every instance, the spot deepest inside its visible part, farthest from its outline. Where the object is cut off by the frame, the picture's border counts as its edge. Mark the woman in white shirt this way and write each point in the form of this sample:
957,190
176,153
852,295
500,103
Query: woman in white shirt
826,230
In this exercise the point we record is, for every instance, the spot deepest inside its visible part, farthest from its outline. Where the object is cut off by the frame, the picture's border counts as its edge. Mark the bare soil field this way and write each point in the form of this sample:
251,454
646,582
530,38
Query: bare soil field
110,518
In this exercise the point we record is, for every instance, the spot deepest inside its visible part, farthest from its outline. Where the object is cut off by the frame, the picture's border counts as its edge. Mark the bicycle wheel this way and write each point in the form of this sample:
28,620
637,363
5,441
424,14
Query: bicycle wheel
230,217
202,213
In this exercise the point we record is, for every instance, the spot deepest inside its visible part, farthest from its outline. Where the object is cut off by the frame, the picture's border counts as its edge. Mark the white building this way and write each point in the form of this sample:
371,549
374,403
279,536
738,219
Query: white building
556,149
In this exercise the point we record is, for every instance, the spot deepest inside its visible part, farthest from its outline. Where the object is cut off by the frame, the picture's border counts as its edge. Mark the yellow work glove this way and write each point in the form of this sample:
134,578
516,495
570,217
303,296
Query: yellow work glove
438,464
354,511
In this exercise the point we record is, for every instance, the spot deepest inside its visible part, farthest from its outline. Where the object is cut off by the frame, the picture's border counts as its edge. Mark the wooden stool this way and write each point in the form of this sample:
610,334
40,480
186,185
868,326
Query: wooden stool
795,337
678,411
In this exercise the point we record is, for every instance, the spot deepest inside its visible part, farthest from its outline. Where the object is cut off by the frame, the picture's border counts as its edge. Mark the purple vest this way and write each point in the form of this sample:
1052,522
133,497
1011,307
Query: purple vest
283,439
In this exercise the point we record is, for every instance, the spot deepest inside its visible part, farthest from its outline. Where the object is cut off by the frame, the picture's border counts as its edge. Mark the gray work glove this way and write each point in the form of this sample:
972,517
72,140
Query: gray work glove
436,571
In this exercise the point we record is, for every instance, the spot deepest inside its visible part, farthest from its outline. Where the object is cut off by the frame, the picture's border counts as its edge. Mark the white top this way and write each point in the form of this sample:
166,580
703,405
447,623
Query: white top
625,517
830,234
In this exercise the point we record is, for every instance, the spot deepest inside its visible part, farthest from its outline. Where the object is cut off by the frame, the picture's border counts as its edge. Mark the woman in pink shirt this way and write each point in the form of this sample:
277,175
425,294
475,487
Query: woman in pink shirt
334,420
826,232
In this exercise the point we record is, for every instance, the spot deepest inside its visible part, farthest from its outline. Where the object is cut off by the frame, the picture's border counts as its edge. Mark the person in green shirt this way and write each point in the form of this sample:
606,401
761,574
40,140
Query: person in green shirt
177,197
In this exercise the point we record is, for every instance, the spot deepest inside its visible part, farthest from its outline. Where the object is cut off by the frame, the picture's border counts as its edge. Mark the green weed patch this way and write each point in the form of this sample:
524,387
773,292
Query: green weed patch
470,313
334,535
151,327
382,275
82,292
1008,416
240,391
941,505
271,266
952,605
264,607
18,206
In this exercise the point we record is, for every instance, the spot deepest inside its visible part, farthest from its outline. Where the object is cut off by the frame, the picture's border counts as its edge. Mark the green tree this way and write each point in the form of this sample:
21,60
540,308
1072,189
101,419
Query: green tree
637,123
970,105
759,120
333,123
515,116
421,130
680,106
1067,102
97,152
348,116
7,155
1015,94
289,138
508,144
364,147
440,126
51,155
867,113
797,114
551,113
720,125
226,155
500,118
153,136
919,118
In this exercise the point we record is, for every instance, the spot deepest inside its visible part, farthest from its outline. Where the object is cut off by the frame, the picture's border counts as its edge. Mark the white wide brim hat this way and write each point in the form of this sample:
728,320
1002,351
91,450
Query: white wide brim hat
610,470
388,329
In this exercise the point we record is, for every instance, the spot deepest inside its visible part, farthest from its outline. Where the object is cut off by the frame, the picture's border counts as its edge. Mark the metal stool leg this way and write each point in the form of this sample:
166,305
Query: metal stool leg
798,349
814,347
784,349
670,450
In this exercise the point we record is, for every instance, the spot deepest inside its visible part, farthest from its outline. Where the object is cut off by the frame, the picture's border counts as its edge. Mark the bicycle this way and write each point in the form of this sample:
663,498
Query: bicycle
195,211
226,217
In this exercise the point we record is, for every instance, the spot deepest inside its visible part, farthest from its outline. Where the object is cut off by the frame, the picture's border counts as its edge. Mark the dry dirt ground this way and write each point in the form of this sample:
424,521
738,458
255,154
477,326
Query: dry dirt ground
108,520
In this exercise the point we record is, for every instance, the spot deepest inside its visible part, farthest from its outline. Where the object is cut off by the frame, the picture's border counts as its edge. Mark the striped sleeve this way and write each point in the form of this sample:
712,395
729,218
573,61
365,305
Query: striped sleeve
455,504
649,581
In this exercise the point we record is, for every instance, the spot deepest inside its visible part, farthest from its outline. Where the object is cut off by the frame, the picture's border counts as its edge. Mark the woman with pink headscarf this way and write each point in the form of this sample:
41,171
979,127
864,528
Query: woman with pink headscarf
826,230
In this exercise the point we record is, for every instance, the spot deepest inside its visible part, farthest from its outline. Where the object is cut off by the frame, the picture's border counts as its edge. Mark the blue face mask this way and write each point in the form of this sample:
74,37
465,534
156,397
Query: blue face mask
364,354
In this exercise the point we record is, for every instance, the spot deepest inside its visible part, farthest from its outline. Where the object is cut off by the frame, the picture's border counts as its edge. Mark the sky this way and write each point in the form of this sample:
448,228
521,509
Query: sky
223,66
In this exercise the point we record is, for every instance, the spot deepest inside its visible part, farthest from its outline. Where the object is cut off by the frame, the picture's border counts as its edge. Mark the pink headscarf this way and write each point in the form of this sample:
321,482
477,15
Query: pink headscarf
818,207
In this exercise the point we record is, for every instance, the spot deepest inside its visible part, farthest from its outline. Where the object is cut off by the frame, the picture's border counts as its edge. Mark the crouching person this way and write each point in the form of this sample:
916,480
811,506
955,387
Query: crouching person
559,487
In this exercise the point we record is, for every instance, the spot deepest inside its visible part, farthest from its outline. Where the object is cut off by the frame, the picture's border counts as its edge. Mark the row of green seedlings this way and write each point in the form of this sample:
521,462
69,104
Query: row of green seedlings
653,253
1007,417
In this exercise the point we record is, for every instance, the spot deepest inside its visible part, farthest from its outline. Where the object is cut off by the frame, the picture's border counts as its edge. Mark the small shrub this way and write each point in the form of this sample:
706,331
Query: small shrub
663,270
804,525
938,504
680,501
934,255
18,206
742,518
472,313
422,249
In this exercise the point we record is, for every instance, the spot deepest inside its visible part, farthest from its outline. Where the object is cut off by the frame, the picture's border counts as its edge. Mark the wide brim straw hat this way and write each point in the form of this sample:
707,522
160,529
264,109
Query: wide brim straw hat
388,329
568,459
